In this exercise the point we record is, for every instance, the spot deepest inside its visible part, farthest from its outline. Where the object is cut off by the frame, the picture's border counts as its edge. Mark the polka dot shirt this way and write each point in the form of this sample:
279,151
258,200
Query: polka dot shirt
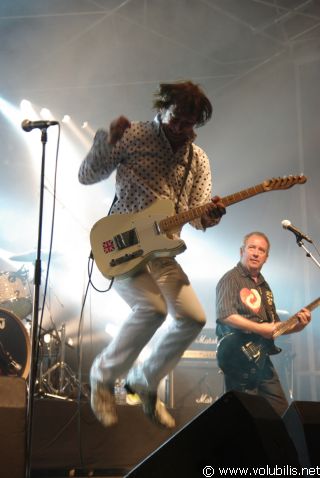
147,169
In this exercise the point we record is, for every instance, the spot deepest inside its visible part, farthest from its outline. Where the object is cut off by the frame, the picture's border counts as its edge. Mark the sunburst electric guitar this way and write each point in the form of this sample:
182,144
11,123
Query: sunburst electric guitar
123,243
244,355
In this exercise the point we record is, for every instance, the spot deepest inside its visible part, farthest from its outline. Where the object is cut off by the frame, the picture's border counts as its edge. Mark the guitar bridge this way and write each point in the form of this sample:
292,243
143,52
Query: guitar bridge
126,258
251,351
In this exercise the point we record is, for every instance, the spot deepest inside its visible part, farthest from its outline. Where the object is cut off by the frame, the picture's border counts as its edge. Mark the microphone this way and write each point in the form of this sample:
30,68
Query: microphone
28,125
286,224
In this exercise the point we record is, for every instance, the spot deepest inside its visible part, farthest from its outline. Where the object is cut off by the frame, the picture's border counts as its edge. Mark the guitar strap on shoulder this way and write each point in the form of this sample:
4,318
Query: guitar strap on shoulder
186,172
268,304
115,199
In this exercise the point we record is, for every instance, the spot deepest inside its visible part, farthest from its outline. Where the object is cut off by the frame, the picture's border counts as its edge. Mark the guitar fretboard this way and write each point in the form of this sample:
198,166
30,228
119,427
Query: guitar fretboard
183,217
288,324
178,220
242,195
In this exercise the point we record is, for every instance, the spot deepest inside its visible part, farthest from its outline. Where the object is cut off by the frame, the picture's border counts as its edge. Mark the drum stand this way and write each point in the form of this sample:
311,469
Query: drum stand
63,386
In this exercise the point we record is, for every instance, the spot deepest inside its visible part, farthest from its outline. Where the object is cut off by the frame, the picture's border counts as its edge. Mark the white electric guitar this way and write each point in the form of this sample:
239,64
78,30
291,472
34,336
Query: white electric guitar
122,243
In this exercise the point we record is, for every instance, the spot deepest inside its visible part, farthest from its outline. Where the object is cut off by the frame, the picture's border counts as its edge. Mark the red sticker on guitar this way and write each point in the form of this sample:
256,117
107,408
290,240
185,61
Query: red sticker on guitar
251,298
108,246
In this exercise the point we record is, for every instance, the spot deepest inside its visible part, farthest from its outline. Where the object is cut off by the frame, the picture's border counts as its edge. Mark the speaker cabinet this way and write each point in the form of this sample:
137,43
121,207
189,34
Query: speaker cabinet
302,420
237,430
195,383
12,427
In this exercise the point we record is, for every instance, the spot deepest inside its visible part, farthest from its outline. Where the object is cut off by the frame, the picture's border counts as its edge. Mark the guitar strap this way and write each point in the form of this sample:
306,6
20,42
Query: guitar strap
186,172
268,304
115,199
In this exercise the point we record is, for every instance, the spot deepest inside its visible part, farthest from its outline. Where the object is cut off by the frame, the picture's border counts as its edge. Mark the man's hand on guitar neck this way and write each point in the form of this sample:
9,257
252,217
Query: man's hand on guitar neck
268,330
304,317
214,213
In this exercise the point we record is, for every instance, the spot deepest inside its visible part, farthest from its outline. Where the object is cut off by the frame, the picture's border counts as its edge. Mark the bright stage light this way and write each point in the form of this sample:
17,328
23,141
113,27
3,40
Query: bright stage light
46,113
77,131
88,129
25,106
28,110
11,113
47,338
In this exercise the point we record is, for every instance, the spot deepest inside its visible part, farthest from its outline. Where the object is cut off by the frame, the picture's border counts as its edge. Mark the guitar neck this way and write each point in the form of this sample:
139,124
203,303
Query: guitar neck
178,220
288,324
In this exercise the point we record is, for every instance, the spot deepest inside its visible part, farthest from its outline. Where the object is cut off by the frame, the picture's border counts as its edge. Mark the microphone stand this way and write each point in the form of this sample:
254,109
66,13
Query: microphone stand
308,253
35,313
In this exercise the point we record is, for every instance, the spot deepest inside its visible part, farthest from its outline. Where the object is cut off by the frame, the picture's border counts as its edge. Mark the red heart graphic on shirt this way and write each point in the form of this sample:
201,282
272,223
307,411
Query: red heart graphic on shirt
251,298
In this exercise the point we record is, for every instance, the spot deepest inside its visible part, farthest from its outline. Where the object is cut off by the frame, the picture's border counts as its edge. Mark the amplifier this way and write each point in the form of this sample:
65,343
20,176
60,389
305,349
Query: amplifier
200,354
204,347
195,383
197,380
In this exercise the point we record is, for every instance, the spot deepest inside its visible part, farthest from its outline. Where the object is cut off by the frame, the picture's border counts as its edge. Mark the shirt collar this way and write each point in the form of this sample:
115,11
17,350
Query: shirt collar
245,273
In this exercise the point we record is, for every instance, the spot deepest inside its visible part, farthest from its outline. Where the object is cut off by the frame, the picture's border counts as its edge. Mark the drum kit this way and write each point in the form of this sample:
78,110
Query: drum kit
15,306
54,377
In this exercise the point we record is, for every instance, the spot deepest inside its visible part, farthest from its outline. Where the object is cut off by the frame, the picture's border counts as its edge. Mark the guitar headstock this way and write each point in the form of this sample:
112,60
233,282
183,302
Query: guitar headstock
285,182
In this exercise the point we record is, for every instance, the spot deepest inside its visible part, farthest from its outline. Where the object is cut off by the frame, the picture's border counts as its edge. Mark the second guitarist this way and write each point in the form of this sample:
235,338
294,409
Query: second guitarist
247,322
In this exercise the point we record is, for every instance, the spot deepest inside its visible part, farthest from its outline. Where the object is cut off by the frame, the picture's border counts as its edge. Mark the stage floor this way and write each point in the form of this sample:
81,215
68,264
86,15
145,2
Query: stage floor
67,439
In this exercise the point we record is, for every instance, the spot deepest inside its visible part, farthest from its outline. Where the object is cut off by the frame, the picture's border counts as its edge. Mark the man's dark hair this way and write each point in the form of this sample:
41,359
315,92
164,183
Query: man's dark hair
187,98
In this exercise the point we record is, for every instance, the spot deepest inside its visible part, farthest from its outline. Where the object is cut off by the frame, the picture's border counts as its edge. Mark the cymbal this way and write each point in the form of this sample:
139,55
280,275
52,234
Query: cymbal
5,264
28,256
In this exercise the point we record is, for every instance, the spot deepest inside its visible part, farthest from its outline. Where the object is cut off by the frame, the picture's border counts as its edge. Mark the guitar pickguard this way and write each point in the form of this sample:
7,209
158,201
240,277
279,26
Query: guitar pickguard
241,354
123,243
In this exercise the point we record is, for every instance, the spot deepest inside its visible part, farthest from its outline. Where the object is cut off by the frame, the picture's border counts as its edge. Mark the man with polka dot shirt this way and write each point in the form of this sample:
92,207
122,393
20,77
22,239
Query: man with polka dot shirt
153,160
